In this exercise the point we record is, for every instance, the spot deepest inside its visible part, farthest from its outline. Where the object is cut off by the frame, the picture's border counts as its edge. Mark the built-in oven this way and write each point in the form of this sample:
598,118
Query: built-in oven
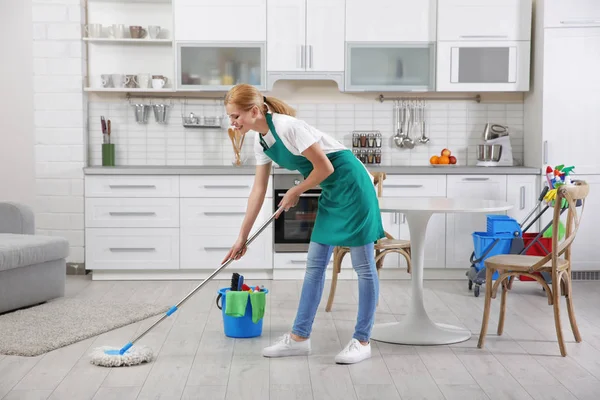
294,227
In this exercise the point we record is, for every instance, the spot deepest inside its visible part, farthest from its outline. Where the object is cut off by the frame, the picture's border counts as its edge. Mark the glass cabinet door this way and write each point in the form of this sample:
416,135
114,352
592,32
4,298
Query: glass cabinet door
219,66
390,67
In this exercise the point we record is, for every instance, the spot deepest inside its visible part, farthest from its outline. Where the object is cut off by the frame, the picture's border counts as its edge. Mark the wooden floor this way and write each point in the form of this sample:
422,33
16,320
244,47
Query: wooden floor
196,361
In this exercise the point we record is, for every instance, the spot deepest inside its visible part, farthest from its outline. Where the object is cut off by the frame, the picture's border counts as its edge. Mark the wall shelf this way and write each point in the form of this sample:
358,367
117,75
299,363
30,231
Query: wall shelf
129,90
129,41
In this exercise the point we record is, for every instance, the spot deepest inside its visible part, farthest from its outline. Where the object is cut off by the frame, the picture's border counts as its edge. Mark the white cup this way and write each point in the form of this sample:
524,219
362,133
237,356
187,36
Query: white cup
106,80
143,80
118,80
154,31
158,82
93,30
117,31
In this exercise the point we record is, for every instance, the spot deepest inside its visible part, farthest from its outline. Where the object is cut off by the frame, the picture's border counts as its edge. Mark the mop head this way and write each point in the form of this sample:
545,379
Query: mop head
112,357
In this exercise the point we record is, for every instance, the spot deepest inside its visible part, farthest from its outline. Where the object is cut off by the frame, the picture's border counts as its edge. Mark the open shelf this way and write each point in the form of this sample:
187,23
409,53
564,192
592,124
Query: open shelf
129,41
129,90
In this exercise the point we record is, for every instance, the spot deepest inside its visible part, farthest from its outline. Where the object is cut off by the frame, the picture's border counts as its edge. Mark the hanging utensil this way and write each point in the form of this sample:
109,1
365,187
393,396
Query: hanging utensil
399,136
424,139
407,141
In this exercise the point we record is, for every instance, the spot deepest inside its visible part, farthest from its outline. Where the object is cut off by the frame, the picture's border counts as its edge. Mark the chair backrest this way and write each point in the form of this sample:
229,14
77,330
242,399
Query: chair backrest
378,178
573,195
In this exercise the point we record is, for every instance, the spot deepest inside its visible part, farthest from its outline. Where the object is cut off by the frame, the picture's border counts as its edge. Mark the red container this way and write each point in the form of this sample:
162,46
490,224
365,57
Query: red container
535,249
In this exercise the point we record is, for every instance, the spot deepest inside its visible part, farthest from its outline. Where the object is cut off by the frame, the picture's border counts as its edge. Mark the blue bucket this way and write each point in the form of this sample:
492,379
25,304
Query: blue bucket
496,244
241,327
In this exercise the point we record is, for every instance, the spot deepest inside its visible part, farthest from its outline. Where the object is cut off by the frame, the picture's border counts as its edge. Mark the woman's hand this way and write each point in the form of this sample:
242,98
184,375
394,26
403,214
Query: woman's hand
237,251
290,199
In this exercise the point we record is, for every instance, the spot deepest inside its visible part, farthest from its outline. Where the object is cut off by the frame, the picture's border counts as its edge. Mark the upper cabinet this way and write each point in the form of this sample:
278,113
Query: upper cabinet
483,45
573,13
219,20
390,20
305,40
390,45
484,20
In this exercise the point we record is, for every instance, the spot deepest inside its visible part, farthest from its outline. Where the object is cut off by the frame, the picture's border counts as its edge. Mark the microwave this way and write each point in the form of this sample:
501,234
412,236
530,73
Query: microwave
486,66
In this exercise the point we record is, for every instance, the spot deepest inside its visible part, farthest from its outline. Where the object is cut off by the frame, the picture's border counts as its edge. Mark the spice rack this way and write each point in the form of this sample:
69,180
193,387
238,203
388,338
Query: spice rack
366,146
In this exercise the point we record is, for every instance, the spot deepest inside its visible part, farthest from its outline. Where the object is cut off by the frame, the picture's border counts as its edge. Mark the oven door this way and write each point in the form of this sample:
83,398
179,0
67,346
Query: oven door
293,228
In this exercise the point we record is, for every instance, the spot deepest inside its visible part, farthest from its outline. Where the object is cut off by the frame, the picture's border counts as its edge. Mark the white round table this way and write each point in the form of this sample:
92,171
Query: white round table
417,328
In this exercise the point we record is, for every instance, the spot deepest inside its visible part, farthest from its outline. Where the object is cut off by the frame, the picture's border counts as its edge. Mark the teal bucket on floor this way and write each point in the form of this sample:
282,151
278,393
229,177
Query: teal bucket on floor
241,327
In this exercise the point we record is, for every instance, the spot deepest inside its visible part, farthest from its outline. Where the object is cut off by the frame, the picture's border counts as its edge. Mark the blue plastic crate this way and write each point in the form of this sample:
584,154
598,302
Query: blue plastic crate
502,225
482,241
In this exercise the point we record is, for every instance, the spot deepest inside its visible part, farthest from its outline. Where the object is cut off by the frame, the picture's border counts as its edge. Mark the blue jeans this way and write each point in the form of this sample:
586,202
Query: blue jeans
363,262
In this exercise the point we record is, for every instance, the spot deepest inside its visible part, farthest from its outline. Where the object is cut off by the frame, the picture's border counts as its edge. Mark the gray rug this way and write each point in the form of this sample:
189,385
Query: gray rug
57,323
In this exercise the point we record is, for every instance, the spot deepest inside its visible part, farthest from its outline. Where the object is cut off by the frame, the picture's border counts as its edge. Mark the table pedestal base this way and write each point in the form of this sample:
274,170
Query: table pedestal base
419,331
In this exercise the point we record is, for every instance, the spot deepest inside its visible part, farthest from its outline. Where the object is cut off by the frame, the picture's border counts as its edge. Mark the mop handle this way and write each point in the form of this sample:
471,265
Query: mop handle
225,264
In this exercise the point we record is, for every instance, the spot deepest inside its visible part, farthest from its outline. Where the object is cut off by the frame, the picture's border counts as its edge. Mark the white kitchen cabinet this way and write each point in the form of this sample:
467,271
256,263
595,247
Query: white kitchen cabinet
571,99
395,223
390,66
585,254
483,66
132,249
390,21
522,191
219,20
570,14
297,48
484,20
460,227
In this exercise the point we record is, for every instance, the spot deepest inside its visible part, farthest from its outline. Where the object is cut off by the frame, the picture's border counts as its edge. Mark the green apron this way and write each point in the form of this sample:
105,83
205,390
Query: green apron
348,212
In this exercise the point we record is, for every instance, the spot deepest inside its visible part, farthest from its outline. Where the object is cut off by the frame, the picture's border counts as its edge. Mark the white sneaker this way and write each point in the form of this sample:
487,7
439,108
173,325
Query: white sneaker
286,346
354,352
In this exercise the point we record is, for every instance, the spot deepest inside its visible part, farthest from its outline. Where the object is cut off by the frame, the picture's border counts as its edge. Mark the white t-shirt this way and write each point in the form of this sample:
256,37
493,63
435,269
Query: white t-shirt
296,135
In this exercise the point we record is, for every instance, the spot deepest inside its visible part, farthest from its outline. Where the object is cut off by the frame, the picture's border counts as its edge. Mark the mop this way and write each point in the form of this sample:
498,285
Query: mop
128,355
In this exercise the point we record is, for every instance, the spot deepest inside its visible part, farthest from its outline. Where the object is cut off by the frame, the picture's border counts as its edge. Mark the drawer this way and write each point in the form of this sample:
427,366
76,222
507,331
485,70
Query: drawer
131,248
131,213
414,186
298,261
209,213
201,250
131,186
219,186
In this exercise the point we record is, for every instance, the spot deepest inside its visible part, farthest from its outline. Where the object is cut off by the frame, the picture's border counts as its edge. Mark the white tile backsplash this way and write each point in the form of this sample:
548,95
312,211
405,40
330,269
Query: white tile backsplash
457,125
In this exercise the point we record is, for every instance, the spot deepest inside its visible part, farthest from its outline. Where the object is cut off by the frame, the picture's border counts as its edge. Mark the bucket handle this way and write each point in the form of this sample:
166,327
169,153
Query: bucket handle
218,298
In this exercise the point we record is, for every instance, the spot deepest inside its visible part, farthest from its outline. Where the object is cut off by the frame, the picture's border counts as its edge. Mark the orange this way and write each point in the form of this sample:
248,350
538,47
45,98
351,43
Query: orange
434,160
444,160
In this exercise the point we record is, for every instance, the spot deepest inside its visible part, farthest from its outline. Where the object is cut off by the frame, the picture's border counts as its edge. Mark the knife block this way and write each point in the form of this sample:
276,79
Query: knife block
108,154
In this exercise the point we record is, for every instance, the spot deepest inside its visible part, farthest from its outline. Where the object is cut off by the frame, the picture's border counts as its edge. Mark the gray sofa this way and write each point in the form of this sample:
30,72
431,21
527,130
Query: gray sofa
32,267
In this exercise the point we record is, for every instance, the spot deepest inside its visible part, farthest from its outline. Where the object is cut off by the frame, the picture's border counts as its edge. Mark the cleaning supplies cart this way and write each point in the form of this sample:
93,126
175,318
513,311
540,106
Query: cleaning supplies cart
243,308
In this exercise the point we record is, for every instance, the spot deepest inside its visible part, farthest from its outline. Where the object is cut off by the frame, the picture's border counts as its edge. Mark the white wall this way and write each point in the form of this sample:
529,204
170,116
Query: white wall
17,174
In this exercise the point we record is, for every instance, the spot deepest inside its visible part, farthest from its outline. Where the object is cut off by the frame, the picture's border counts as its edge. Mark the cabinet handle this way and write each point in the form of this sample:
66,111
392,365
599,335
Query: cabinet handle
522,206
226,186
404,218
581,22
303,195
131,213
132,186
298,261
404,186
476,179
395,218
310,53
216,248
217,213
302,57
545,152
132,249
483,36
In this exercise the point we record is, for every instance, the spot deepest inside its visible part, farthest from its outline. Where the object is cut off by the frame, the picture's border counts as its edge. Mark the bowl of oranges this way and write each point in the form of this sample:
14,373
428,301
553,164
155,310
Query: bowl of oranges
445,159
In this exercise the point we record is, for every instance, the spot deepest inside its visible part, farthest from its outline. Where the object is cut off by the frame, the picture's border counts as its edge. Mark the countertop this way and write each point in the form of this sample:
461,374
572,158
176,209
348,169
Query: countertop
249,170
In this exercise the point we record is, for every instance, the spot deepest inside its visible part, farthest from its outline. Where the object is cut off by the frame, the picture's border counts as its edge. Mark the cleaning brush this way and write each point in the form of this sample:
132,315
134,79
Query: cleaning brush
235,281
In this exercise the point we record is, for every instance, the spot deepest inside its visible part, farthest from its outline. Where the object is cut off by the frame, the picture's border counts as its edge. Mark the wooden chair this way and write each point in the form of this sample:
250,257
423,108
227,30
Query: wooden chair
511,265
383,247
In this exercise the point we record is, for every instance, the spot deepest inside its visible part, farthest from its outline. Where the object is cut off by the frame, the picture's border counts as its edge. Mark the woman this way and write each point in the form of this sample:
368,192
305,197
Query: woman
348,212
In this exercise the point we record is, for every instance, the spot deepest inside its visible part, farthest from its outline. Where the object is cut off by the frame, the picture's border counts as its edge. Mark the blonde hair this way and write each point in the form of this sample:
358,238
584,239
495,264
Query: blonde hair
247,96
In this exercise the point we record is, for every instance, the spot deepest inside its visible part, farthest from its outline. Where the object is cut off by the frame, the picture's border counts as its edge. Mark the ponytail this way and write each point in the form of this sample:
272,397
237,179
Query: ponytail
247,96
278,106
